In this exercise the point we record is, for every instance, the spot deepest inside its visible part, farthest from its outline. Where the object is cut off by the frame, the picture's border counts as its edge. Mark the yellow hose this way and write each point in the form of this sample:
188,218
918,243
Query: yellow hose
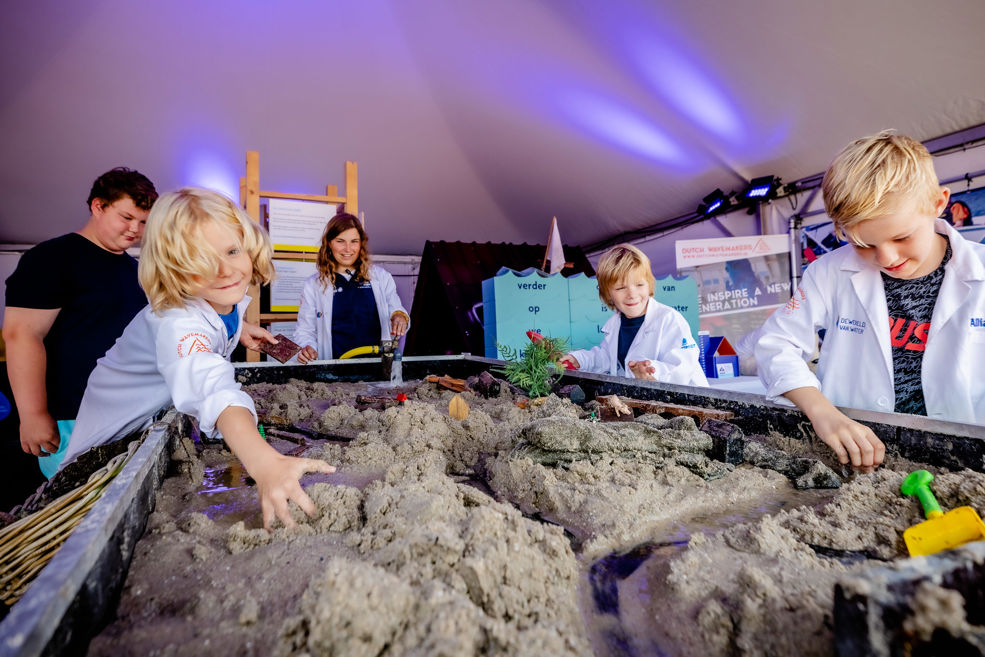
359,351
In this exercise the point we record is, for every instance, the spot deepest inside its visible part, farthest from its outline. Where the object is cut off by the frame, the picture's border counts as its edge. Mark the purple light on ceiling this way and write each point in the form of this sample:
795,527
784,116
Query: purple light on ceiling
690,91
213,170
623,127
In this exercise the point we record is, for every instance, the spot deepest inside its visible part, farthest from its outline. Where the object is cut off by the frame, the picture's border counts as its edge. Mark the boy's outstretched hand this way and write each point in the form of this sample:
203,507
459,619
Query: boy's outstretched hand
851,441
276,474
277,483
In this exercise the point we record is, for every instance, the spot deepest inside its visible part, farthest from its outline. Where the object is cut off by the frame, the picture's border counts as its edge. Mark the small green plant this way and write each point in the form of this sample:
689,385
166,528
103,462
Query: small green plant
535,368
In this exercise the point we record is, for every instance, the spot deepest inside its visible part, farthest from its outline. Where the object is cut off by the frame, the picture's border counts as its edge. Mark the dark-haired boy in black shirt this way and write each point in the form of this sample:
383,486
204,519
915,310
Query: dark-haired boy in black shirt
66,303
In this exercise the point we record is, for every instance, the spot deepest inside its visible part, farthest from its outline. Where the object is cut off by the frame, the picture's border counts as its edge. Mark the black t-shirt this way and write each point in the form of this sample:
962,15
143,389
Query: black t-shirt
911,306
97,293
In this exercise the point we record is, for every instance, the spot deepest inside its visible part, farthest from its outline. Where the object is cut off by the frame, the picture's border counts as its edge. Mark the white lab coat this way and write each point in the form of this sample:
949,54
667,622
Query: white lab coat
845,295
664,339
315,311
180,357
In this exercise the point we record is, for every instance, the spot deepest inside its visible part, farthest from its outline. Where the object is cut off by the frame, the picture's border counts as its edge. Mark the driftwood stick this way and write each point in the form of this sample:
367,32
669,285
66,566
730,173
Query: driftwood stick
486,384
621,404
451,383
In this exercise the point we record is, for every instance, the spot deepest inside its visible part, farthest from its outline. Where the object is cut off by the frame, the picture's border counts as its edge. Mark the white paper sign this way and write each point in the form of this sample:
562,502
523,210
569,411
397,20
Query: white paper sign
285,291
692,253
297,225
284,328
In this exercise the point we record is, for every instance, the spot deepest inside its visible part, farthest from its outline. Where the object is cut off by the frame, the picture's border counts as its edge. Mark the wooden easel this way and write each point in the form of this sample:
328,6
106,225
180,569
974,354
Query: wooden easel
249,198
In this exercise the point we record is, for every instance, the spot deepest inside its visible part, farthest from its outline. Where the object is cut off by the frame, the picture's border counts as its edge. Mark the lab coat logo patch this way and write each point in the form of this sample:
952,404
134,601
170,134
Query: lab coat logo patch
850,325
192,343
977,328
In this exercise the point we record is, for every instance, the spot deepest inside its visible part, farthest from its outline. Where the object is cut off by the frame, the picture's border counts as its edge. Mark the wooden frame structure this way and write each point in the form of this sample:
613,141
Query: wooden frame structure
250,195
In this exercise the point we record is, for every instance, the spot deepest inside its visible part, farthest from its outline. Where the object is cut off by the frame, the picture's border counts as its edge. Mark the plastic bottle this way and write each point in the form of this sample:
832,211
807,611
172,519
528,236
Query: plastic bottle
704,337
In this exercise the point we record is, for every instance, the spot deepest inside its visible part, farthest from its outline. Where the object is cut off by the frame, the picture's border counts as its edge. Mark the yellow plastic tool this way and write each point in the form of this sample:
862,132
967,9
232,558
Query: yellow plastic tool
941,531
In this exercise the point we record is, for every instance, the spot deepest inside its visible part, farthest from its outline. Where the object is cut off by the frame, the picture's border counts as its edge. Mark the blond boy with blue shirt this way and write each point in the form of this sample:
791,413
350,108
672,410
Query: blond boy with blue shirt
201,253
644,339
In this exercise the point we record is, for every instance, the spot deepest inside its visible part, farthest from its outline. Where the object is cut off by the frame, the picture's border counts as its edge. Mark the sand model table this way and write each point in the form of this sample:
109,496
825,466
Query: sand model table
535,531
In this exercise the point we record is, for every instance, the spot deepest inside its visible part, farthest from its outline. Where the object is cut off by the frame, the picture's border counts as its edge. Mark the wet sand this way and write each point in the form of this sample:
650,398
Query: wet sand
493,536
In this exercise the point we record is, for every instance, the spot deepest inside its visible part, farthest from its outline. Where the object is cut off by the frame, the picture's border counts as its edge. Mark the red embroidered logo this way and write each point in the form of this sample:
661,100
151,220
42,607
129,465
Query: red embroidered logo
795,301
191,343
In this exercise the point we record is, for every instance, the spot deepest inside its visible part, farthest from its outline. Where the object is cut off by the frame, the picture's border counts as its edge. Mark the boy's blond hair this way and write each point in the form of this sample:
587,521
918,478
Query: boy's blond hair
616,265
174,256
875,176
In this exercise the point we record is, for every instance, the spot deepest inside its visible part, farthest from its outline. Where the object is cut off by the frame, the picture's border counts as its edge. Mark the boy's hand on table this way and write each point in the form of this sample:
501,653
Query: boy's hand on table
642,369
307,354
252,335
277,483
39,434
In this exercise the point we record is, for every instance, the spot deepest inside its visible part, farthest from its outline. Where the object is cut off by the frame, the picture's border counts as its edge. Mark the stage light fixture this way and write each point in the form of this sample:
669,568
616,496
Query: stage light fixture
761,189
715,203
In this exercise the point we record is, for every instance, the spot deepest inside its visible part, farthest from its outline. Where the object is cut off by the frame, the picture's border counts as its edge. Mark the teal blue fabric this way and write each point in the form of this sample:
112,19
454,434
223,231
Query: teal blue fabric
49,464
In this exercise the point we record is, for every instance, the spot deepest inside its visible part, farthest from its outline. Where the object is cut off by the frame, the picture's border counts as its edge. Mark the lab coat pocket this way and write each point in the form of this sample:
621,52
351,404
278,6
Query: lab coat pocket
973,377
971,357
970,360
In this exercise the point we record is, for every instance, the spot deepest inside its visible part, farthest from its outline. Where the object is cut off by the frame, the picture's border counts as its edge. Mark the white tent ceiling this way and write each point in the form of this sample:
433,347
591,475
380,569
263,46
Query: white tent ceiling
469,120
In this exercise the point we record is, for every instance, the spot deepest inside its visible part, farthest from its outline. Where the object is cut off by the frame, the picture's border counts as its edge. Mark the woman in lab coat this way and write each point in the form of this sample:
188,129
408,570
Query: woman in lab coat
349,302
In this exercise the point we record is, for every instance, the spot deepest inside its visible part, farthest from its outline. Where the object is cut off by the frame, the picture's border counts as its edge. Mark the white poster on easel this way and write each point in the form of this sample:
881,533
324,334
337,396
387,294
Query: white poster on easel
283,328
285,290
297,225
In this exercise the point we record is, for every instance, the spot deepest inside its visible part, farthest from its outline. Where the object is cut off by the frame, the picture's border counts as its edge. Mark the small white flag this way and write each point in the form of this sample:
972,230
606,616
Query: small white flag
555,250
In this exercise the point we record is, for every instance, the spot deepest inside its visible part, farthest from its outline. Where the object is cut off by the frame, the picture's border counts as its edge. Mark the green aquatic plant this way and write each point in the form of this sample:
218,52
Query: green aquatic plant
535,369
